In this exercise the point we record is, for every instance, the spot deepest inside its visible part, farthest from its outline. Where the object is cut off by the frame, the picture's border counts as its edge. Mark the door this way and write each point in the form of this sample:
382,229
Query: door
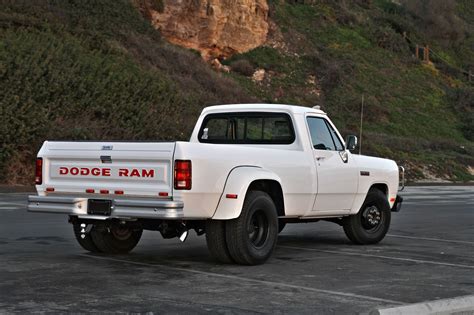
336,169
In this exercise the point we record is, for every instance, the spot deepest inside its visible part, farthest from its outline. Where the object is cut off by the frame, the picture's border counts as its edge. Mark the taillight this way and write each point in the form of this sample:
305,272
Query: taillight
39,171
182,174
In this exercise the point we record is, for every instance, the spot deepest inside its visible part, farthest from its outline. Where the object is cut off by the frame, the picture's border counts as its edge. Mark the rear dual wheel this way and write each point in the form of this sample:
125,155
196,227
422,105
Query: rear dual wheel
84,238
249,239
216,243
115,239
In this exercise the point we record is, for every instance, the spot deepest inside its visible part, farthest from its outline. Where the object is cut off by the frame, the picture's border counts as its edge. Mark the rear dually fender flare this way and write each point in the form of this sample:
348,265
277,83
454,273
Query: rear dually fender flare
237,184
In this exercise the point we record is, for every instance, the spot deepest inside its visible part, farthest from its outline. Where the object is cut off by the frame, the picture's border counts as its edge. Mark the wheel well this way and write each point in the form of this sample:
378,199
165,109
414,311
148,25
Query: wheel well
382,187
272,188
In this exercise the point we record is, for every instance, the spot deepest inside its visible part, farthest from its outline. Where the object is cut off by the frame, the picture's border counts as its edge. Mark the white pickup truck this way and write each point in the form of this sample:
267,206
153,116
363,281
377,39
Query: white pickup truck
246,172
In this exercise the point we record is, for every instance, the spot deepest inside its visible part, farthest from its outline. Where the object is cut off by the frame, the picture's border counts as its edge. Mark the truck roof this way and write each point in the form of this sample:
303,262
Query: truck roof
262,107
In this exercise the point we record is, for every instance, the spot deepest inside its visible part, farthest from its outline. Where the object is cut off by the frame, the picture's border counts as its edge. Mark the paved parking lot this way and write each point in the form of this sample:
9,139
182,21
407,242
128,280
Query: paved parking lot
427,255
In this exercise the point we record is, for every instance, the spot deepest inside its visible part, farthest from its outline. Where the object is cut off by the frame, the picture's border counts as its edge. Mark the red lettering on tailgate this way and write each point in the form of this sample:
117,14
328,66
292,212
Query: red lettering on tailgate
135,173
148,173
95,171
85,171
123,172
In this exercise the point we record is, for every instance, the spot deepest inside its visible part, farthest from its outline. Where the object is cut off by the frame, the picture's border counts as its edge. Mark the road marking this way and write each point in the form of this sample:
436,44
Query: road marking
10,208
431,239
265,282
431,200
437,198
419,261
415,205
12,204
458,305
438,192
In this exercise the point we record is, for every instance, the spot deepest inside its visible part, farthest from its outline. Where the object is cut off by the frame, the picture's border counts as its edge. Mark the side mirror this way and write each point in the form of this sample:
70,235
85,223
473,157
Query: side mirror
351,142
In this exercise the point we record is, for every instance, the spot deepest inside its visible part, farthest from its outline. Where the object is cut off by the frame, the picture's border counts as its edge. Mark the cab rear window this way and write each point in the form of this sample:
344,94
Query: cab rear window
247,128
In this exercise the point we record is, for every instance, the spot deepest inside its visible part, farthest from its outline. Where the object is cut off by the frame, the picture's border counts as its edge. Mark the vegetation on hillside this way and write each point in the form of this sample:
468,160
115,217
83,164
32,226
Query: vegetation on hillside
334,53
88,69
98,70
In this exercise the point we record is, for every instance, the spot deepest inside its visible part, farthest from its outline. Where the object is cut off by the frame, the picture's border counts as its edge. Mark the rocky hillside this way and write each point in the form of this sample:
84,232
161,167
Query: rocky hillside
143,69
215,28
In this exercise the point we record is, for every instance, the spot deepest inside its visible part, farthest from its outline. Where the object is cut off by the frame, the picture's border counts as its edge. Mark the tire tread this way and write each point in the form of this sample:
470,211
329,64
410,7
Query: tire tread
236,234
216,241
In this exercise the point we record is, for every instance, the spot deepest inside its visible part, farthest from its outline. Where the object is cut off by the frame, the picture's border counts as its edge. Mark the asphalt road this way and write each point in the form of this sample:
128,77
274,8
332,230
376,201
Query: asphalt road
427,255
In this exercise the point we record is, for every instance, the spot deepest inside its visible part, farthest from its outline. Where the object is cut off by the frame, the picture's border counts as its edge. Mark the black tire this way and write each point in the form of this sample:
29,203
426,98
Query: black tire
84,239
281,226
116,239
215,238
252,237
372,222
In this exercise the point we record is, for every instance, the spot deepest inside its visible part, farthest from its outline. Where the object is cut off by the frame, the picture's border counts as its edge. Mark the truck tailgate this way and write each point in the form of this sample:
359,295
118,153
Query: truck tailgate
129,168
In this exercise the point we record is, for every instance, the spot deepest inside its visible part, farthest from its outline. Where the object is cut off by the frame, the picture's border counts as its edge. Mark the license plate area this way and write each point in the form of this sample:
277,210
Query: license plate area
99,206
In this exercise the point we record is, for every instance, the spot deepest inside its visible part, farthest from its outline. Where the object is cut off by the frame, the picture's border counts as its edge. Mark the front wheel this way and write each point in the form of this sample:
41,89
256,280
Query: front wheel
116,239
252,237
371,223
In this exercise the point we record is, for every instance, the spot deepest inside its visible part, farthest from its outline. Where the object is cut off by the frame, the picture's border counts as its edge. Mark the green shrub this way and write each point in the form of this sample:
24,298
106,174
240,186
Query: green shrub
242,66
438,19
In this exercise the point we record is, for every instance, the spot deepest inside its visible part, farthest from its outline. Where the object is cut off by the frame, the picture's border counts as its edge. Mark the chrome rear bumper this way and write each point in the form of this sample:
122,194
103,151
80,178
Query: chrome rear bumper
121,208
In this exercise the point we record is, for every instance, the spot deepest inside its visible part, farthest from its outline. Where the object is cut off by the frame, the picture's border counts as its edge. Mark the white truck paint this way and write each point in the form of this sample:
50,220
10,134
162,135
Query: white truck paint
138,178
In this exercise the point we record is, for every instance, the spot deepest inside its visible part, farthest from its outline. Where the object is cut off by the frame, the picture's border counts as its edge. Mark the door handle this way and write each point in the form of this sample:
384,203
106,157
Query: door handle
320,158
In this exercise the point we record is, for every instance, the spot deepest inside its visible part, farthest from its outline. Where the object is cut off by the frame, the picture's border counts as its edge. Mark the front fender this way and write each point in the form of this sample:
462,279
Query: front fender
237,183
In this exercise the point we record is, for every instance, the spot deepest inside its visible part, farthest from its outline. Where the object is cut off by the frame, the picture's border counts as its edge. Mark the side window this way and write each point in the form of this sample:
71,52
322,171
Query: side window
320,134
337,141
